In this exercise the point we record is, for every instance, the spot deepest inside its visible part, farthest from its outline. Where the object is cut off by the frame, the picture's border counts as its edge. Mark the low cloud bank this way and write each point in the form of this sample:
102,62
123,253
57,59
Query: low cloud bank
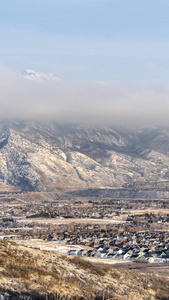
98,102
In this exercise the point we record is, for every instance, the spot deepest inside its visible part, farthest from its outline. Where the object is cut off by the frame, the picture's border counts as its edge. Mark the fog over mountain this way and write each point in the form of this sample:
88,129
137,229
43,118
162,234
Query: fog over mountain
90,102
48,156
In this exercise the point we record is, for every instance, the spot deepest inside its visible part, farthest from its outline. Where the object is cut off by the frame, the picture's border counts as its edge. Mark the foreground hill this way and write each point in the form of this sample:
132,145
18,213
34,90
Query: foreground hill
29,273
46,156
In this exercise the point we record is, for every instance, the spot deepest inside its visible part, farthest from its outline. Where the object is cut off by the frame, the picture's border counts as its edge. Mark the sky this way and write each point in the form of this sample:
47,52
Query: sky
118,46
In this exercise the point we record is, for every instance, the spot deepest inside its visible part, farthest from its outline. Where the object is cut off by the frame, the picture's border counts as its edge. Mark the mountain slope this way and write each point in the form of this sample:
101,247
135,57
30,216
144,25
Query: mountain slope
50,156
24,271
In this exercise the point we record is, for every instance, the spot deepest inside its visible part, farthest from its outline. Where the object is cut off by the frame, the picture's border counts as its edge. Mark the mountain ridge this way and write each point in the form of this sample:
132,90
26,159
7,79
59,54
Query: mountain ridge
37,155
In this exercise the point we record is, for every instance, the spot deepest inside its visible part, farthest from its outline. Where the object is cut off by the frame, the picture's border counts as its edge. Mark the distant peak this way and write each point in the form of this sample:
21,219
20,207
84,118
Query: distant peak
32,75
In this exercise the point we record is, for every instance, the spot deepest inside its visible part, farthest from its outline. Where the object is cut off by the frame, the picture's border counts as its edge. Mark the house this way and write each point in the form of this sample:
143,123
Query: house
79,253
126,256
141,258
72,252
111,255
92,253
84,252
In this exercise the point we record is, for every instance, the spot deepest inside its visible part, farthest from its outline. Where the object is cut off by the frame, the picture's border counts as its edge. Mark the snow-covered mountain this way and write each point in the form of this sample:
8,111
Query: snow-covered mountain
49,156
32,75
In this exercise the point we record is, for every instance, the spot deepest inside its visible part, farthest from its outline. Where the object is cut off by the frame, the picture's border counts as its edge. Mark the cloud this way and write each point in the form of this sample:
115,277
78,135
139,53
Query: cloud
99,102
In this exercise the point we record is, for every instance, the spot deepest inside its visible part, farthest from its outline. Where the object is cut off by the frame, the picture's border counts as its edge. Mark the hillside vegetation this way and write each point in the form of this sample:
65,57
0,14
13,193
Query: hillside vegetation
29,273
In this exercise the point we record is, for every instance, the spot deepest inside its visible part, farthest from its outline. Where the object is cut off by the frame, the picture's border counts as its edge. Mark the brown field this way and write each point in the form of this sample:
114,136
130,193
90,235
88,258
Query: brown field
149,210
160,269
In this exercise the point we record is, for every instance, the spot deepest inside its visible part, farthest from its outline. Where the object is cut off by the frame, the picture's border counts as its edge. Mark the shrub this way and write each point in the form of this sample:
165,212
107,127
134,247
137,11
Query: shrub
162,296
87,265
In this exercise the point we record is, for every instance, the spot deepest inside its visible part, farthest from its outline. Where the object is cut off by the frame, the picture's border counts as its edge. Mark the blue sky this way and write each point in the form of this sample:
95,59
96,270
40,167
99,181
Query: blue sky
96,40
112,57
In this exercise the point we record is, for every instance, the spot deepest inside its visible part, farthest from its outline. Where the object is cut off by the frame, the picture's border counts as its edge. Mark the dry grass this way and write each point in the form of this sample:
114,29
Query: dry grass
44,273
92,268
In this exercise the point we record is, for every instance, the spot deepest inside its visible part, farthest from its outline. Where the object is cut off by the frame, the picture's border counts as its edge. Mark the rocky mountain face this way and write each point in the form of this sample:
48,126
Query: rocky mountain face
46,156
